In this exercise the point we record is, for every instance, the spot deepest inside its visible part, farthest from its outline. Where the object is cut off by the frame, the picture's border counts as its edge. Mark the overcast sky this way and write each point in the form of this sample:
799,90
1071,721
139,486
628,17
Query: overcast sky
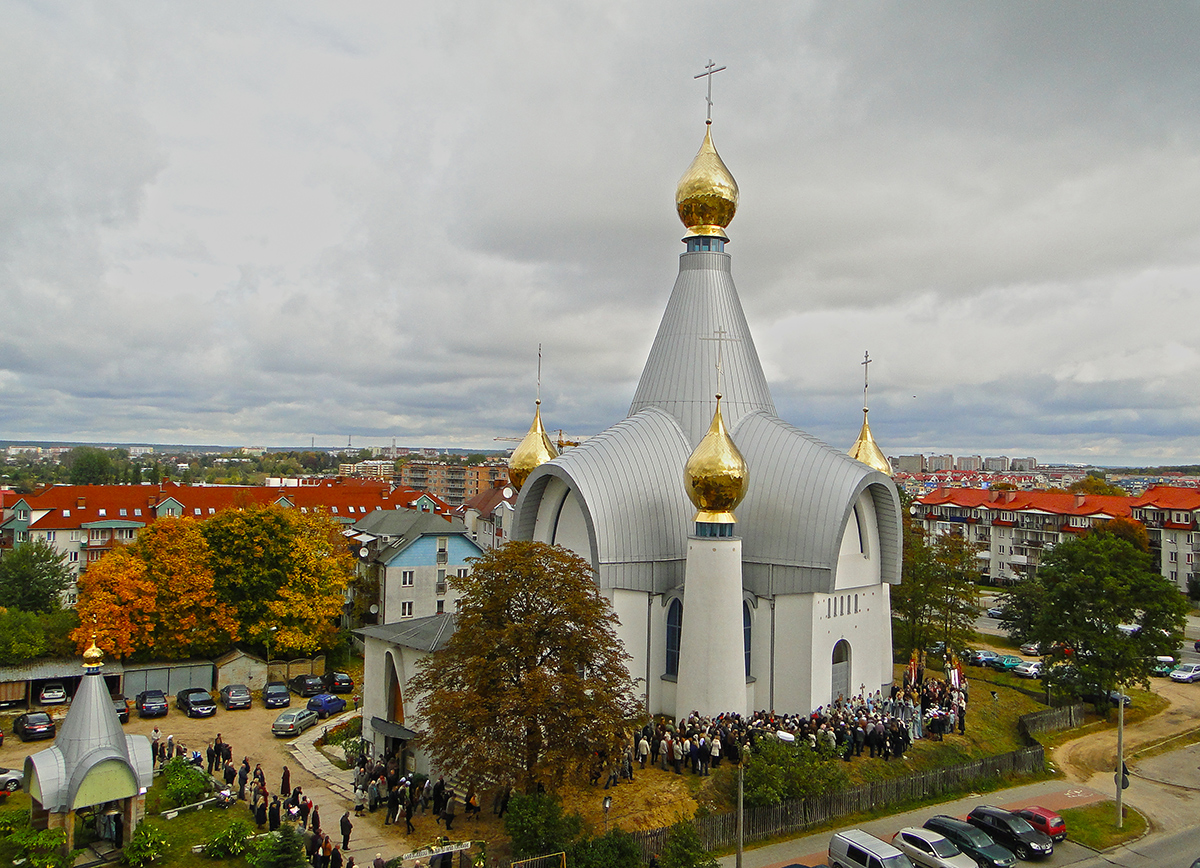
262,223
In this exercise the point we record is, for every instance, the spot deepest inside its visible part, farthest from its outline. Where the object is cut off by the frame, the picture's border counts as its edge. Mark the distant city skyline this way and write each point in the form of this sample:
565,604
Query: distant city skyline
256,224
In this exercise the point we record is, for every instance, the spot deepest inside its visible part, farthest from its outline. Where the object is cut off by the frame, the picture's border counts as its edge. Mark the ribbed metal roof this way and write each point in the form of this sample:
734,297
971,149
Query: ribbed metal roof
629,482
802,494
680,376
424,634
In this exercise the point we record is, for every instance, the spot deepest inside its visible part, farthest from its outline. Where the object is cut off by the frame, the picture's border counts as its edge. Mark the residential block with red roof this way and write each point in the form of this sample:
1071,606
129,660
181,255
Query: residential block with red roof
1015,528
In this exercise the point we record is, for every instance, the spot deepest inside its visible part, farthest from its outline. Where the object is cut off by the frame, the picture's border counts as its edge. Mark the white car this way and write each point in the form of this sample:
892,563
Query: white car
294,722
1029,669
928,849
1186,672
1031,648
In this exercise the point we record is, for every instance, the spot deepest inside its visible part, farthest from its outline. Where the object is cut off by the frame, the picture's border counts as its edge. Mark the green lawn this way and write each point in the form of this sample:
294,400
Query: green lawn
1095,825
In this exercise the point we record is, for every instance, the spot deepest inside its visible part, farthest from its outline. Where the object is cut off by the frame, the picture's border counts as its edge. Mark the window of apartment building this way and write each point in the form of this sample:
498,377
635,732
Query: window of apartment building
49,536
66,513
1173,557
406,578
97,534
462,571
76,536
22,536
124,512
406,609
137,510
1174,576
73,557
442,543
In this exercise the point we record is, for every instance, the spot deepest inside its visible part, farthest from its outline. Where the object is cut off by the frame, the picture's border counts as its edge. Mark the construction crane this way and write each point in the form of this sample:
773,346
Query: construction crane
562,442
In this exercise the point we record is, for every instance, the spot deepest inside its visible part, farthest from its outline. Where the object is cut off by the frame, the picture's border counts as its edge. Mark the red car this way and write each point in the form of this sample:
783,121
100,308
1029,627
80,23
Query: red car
1045,821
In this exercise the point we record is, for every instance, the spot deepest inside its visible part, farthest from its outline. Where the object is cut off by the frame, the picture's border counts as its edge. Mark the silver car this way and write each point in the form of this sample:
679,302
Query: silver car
294,722
928,849
11,780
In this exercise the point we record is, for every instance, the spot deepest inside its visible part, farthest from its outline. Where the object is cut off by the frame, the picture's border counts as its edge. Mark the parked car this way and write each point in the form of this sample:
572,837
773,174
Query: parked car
195,702
53,693
1045,821
1029,669
338,682
325,704
151,703
1005,663
1012,831
306,685
34,725
1096,696
275,694
294,722
1161,666
975,842
855,848
1033,649
937,649
121,706
982,657
996,612
1188,672
235,696
11,780
927,849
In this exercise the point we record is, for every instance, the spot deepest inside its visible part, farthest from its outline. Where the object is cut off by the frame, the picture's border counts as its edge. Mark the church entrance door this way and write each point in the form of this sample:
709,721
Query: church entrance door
841,671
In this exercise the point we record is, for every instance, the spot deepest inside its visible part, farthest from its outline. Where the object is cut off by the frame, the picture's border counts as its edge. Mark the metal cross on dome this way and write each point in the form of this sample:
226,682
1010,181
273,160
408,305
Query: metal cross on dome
866,363
709,71
720,337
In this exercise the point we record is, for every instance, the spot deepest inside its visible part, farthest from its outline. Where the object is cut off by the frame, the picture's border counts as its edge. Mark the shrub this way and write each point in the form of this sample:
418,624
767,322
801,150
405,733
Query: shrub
684,849
617,849
146,846
184,784
234,841
537,825
282,849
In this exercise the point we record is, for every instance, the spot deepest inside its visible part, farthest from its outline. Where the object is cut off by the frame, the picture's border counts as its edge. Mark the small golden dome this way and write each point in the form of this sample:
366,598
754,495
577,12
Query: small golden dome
93,656
707,195
866,450
531,453
716,475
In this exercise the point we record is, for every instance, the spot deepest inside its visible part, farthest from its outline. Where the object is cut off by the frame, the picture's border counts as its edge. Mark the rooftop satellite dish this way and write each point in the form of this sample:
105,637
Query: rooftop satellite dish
363,552
507,492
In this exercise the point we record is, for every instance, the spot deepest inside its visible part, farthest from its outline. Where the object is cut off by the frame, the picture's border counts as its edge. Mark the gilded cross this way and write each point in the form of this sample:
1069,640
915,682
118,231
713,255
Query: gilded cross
866,363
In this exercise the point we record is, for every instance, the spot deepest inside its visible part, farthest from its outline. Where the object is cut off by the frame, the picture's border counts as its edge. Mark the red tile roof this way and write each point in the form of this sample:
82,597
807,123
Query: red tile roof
1020,501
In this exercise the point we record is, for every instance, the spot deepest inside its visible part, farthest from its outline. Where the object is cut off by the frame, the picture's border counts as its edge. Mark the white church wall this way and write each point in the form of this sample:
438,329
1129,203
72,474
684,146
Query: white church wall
796,671
630,608
863,619
547,507
571,531
858,556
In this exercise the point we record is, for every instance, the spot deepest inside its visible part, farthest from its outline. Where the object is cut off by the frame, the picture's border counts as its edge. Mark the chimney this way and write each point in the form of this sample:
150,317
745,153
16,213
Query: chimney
993,495
1079,499
1010,496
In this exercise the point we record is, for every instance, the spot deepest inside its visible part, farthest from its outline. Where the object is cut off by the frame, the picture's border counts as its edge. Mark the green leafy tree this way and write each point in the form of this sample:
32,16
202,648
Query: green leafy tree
89,466
1098,604
780,772
533,681
937,597
33,576
1127,528
1094,484
616,849
22,637
283,848
536,825
684,849
146,846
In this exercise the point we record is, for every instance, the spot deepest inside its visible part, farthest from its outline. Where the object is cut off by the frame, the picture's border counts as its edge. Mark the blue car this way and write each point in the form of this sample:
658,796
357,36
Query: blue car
325,704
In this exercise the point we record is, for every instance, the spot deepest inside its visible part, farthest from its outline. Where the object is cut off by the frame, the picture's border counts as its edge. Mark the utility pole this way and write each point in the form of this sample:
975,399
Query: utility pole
1120,755
741,831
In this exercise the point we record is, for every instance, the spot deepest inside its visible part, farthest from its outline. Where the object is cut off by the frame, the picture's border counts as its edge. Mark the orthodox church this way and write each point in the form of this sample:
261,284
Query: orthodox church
748,562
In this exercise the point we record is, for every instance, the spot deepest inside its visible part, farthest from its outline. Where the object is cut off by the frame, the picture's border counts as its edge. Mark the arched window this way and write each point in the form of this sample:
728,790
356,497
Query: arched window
746,634
674,633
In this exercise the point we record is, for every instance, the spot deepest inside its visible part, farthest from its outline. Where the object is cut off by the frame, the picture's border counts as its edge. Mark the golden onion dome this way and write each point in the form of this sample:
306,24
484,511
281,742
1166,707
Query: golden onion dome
93,657
716,475
532,452
866,450
707,195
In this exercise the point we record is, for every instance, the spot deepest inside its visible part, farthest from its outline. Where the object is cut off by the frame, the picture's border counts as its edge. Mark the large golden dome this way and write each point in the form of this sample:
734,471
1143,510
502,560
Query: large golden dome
716,475
532,452
866,450
707,195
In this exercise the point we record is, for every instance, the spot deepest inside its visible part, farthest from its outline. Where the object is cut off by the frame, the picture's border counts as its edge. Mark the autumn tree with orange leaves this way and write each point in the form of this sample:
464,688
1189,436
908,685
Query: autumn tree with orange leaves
156,597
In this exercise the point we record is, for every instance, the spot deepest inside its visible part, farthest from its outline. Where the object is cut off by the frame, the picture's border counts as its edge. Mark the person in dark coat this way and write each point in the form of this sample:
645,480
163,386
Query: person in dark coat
260,815
448,810
285,783
211,756
393,804
409,805
439,796
230,774
305,809
335,858
273,820
243,775
315,821
347,828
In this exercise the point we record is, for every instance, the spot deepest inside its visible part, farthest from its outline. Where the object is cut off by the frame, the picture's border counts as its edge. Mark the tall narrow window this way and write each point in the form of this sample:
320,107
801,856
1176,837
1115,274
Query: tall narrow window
674,634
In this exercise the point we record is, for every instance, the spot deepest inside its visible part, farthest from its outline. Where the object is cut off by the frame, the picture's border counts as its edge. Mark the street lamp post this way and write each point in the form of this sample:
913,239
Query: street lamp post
268,641
607,805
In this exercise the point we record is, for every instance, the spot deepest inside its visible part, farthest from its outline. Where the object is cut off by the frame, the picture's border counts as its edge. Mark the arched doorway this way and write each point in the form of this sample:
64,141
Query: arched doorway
841,671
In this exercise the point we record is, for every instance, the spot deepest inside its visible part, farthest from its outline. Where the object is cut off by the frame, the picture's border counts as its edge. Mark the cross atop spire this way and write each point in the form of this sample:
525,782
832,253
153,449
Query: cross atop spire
710,70
720,337
866,363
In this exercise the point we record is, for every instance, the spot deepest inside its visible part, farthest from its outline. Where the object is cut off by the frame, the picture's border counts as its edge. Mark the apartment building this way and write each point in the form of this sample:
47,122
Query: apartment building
1015,528
454,483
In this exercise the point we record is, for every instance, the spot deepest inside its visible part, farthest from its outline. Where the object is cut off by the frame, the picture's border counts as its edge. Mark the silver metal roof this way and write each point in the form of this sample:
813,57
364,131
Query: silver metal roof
629,482
424,634
681,371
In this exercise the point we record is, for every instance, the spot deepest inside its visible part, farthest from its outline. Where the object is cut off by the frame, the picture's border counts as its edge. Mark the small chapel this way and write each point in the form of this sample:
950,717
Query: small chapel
748,562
